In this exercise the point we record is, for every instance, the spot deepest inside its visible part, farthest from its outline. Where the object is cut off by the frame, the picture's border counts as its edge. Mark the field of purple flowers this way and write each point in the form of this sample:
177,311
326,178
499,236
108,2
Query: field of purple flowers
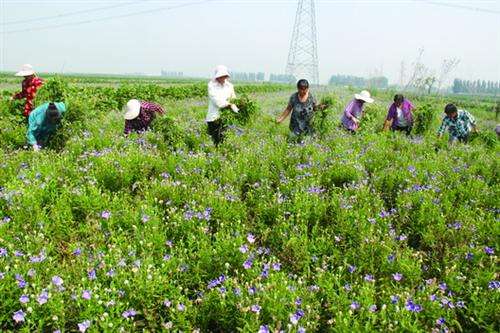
160,232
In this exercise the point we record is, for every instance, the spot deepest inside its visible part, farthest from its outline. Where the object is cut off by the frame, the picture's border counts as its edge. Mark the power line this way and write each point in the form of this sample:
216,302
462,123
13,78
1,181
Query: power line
106,18
85,11
471,8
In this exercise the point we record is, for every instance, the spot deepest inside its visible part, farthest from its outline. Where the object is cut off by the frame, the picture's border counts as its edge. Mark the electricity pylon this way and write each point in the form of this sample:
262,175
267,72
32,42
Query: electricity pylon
303,56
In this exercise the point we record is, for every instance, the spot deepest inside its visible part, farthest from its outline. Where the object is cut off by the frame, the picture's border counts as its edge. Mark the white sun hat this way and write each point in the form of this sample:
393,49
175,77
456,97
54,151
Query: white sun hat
364,96
26,70
132,109
221,71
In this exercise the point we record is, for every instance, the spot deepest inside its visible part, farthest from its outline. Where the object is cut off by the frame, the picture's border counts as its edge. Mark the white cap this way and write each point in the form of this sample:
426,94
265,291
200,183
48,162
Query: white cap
364,96
26,70
132,109
221,71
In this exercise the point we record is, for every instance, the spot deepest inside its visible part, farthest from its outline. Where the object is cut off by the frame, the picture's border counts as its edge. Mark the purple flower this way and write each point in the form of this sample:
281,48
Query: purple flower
110,273
369,278
106,214
181,307
443,286
145,218
351,269
298,301
18,316
3,252
469,256
251,238
77,251
354,306
263,329
18,253
43,297
167,257
460,304
316,190
255,308
244,248
130,313
247,264
391,257
276,266
412,307
24,299
167,303
57,281
86,294
397,276
372,220
494,284
372,308
394,299
432,298
347,287
92,274
83,326
301,330
237,291
440,321
489,250
252,290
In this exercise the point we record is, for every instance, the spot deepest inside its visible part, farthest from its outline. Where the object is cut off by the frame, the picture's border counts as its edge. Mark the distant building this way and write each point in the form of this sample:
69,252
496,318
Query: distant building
172,74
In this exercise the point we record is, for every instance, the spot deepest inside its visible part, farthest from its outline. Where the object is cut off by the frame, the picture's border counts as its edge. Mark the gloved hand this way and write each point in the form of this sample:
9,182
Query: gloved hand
234,108
36,147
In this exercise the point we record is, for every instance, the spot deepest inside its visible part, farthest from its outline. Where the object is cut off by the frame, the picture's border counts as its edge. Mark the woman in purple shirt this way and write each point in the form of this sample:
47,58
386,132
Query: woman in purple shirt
400,117
354,111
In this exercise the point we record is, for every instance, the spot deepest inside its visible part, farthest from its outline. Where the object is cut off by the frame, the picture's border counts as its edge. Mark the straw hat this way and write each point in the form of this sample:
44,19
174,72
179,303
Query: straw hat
26,70
364,96
132,109
221,71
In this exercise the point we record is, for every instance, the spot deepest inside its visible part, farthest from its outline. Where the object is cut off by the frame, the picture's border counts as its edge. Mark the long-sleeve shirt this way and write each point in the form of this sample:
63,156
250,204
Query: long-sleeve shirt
459,127
39,128
144,119
353,110
405,117
30,86
219,96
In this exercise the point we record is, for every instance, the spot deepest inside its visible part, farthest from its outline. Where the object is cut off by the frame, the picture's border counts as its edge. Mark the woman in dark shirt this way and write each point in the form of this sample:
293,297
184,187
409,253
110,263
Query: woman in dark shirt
301,105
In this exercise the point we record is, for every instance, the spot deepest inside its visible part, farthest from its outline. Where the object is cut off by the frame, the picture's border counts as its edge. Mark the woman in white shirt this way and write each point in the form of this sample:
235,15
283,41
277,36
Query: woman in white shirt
220,93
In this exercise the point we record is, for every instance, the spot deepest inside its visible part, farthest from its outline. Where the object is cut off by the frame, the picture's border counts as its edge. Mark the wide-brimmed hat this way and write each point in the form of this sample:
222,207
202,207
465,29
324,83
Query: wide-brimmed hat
364,96
26,70
132,109
221,71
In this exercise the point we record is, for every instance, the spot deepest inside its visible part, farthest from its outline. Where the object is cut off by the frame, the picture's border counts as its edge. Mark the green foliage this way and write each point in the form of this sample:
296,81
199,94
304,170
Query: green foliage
247,109
53,90
424,116
259,231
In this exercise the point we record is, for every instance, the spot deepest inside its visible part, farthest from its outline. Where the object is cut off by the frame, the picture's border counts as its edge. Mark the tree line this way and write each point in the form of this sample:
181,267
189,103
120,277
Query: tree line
475,87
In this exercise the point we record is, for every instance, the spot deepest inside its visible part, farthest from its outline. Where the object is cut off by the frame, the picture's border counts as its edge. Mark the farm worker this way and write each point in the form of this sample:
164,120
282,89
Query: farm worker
139,115
497,130
220,93
301,105
459,123
399,116
30,85
43,122
354,111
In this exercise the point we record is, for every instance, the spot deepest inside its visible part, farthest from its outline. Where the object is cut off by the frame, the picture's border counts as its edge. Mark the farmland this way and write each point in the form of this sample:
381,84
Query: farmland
162,231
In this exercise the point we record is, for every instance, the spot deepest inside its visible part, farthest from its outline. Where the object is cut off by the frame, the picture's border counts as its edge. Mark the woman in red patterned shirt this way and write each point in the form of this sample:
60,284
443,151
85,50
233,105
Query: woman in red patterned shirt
30,85
139,115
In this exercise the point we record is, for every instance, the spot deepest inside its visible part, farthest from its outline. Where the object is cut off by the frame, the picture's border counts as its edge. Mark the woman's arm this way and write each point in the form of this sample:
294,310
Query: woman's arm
285,114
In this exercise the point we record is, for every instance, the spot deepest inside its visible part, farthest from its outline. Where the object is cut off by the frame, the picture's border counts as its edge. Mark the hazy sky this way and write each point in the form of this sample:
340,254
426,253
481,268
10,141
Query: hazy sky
354,37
